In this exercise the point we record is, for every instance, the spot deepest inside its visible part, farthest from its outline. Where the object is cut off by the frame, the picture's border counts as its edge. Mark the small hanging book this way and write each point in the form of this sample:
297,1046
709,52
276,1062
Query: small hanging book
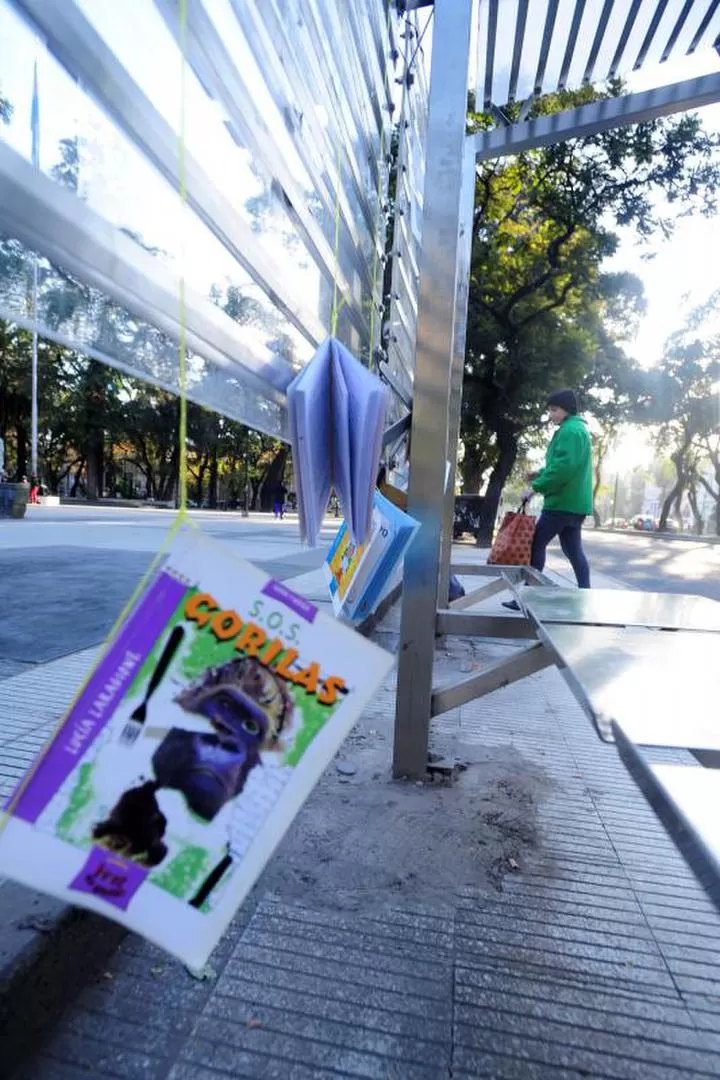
336,409
359,575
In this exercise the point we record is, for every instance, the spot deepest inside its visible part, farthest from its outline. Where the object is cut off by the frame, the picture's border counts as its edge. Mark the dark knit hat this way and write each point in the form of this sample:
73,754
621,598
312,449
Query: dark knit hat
564,399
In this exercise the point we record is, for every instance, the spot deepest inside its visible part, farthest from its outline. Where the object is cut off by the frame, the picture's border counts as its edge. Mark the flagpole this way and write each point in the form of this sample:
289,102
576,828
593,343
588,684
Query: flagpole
35,125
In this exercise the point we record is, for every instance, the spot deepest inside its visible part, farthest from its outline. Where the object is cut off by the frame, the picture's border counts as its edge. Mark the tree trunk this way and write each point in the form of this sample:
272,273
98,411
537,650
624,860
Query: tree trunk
95,465
508,449
212,482
273,476
693,499
472,468
21,465
77,478
676,491
596,488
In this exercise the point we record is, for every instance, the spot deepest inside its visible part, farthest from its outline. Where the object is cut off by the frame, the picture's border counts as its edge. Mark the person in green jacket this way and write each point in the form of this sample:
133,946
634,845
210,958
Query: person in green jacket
566,482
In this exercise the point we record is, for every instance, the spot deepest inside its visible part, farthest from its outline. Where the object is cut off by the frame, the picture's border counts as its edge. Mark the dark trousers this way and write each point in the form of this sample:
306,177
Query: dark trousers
568,527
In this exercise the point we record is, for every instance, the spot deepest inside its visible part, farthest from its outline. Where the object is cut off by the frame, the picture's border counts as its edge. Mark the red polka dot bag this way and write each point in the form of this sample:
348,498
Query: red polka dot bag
513,542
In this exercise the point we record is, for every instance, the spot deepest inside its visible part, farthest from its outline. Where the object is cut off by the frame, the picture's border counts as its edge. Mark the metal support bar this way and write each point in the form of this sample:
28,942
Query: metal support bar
462,289
524,662
387,377
433,367
397,430
472,624
511,574
598,116
531,576
477,595
709,758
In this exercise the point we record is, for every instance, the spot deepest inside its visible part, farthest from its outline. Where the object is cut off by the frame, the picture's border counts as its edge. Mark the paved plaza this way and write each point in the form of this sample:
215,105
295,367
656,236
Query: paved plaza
531,921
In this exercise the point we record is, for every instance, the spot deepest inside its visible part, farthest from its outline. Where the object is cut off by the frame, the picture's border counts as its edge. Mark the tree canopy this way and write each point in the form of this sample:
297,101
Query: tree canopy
542,311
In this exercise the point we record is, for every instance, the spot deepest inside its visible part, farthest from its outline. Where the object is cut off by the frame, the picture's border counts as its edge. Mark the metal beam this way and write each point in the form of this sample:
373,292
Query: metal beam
476,596
51,220
473,569
72,39
472,624
462,289
433,367
397,430
520,665
598,116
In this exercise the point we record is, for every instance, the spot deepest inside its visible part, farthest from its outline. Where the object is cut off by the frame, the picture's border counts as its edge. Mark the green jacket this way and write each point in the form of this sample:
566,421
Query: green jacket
566,481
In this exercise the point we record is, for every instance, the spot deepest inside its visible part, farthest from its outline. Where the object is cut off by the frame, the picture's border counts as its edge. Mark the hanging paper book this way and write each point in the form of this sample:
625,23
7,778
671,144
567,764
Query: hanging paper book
336,409
189,751
359,574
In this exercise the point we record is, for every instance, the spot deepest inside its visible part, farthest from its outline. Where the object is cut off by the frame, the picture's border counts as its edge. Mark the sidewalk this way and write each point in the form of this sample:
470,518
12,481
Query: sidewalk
530,921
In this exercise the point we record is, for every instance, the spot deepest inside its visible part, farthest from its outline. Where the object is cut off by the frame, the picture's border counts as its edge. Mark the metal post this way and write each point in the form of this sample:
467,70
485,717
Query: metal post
34,381
445,146
35,155
615,491
462,284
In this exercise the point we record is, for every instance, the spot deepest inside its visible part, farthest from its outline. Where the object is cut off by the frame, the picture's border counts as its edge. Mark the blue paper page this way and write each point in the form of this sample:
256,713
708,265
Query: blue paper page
341,449
309,403
367,403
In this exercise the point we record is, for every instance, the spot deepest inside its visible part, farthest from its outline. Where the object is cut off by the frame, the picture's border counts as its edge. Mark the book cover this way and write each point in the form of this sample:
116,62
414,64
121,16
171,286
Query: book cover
190,749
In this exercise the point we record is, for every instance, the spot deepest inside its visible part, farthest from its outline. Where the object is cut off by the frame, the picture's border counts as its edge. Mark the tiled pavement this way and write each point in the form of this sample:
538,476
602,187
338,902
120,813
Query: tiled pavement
597,958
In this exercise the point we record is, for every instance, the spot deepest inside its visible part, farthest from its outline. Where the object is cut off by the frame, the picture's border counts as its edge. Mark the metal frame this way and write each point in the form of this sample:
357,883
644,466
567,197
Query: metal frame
462,290
426,564
598,116
433,368
524,662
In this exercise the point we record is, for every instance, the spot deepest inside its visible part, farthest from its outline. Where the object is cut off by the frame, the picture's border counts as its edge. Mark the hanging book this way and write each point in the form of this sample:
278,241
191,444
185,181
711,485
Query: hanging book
336,409
359,575
189,751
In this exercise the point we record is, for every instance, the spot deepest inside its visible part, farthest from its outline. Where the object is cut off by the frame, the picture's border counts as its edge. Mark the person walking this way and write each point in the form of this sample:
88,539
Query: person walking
280,496
566,483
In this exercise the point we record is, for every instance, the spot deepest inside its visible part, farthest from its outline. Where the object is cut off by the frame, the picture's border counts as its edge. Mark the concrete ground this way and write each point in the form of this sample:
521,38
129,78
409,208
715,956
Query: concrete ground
530,921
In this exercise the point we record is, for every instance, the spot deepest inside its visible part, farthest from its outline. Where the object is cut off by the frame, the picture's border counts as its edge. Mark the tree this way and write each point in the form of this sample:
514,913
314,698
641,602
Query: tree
537,294
684,401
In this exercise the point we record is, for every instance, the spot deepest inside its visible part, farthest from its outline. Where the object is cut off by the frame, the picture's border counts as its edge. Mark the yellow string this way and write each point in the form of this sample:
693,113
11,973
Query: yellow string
337,308
182,356
181,517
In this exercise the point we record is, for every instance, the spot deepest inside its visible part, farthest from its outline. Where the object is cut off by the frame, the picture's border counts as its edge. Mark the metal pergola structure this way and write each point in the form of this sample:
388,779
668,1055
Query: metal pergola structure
304,98
580,42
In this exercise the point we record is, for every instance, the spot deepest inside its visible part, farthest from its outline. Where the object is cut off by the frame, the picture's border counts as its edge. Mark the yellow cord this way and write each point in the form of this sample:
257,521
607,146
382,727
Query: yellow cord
337,307
182,356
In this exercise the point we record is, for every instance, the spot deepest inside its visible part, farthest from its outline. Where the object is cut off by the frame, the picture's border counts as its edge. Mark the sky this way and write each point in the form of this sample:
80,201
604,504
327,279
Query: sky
120,185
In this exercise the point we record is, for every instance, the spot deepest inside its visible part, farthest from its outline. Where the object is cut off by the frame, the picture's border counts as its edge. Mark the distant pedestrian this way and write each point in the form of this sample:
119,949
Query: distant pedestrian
566,482
280,496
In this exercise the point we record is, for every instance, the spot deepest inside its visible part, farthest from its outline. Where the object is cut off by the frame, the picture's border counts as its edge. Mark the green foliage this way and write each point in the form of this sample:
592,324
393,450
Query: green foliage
684,403
542,313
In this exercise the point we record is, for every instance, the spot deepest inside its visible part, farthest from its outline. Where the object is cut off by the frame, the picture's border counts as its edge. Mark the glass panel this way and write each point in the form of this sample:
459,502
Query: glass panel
82,318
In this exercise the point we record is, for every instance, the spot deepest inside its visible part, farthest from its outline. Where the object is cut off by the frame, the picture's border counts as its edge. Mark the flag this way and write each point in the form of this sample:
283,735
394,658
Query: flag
35,120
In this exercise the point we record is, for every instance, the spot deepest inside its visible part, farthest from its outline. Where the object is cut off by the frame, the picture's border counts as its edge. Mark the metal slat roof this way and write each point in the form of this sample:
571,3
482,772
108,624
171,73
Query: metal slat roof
529,47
